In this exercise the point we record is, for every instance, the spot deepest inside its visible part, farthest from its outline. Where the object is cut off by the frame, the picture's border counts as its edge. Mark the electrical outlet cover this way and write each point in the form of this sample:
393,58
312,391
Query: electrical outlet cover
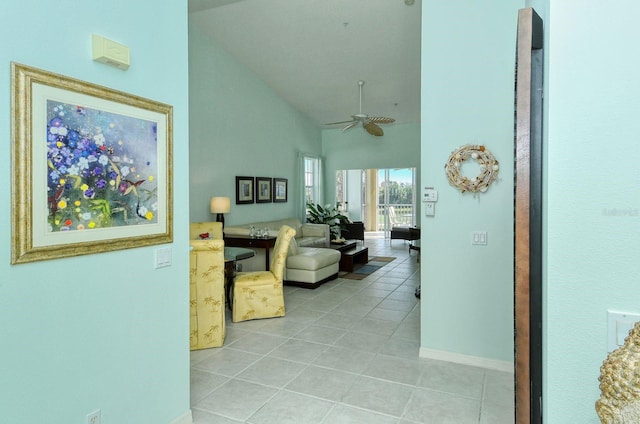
94,417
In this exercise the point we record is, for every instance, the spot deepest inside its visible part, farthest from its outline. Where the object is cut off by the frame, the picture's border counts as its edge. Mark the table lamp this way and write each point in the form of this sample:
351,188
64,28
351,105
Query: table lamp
220,206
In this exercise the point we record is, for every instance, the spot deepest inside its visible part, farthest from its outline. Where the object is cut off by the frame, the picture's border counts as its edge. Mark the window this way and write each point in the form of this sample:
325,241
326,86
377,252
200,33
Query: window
312,186
341,183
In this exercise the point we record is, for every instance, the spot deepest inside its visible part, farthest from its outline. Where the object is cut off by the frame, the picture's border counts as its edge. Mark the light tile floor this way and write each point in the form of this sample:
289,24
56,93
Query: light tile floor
346,352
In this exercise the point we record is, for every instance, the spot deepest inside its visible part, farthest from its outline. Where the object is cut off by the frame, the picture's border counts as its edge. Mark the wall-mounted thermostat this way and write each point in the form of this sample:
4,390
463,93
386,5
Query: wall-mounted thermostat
430,195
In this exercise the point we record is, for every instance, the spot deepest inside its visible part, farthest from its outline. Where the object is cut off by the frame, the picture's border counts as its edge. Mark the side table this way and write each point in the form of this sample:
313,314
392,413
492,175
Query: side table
414,244
350,254
252,242
356,255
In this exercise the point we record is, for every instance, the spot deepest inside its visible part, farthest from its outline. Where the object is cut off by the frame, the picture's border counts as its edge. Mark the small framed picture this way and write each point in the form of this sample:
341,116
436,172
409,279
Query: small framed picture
244,190
280,190
263,190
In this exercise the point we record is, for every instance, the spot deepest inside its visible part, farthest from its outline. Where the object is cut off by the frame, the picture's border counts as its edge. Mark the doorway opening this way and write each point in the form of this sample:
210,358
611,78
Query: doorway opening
380,198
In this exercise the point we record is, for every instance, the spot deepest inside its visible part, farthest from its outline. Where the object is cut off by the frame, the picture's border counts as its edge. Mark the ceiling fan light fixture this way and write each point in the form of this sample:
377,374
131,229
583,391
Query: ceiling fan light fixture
369,123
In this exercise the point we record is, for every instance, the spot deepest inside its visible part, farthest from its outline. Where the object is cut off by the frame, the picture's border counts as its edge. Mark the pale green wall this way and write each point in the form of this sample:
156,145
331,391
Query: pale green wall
593,199
240,127
467,98
104,331
591,239
357,149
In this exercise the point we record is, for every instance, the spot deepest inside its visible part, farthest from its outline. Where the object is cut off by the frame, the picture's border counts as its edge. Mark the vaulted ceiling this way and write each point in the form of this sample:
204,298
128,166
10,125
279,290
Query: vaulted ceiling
313,52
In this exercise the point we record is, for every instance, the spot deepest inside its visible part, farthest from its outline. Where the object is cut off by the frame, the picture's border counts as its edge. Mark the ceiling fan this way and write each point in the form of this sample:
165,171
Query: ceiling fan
369,123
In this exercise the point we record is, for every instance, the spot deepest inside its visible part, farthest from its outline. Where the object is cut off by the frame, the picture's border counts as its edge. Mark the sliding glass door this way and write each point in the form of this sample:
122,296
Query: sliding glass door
381,198
396,199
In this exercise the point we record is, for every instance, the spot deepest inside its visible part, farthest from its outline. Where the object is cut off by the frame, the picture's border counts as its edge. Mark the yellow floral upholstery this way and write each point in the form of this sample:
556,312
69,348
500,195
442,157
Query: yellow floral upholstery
214,229
206,297
259,294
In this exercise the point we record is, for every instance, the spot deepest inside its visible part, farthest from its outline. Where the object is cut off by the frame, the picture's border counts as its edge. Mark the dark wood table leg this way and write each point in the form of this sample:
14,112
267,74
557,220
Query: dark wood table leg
346,263
229,275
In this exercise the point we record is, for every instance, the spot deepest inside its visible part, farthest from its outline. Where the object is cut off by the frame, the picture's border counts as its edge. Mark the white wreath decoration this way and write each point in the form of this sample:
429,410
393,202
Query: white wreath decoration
488,168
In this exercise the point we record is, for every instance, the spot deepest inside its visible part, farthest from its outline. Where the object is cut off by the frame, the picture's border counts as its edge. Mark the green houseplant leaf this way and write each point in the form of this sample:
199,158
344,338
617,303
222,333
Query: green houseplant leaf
317,214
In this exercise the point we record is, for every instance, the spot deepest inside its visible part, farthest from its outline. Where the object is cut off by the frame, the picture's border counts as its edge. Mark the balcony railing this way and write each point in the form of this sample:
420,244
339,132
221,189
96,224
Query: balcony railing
403,216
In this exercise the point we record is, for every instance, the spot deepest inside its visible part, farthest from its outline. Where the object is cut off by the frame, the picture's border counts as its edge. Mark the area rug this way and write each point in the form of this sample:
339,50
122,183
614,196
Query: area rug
361,271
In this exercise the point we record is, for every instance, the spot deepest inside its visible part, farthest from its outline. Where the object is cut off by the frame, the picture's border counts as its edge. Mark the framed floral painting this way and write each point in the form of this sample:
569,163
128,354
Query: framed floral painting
91,168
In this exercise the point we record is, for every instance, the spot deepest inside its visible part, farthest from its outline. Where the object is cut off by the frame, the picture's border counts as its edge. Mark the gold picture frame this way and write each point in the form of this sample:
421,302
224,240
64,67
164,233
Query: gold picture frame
91,168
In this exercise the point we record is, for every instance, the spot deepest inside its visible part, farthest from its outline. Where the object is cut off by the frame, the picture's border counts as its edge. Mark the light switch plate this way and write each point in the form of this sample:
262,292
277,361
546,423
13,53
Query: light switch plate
163,257
479,238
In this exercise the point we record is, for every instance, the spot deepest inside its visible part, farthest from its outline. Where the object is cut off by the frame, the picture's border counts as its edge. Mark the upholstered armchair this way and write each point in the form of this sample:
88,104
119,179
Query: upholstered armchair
352,230
259,294
213,229
206,294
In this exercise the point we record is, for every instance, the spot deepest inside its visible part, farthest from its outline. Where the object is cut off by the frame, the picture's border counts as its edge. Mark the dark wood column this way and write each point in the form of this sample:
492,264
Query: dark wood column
528,219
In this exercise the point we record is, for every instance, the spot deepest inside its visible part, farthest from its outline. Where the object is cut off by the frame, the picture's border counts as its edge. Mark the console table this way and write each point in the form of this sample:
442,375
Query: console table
252,242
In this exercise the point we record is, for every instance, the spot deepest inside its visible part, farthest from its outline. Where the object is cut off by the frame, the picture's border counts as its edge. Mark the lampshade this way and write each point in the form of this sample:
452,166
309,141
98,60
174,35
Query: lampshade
220,205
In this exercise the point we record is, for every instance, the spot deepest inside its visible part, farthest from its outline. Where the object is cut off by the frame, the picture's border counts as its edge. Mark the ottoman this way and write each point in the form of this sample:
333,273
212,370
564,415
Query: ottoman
405,233
309,267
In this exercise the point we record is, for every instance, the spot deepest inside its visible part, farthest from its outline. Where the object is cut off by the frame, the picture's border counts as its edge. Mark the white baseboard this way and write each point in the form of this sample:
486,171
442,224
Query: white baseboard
185,418
475,361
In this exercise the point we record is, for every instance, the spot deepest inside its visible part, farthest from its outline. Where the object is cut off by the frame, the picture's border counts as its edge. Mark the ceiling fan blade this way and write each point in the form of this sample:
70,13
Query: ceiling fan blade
373,129
341,122
381,120
351,125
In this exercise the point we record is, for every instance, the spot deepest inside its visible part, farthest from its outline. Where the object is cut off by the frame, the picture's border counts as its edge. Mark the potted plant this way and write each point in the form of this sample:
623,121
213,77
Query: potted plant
318,214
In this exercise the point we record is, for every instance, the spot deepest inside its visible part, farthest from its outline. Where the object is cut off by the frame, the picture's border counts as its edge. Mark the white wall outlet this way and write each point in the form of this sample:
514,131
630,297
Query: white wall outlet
94,417
429,208
618,326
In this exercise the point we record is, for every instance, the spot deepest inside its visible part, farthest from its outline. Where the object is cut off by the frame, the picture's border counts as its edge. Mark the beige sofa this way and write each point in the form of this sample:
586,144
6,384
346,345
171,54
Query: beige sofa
307,235
309,267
